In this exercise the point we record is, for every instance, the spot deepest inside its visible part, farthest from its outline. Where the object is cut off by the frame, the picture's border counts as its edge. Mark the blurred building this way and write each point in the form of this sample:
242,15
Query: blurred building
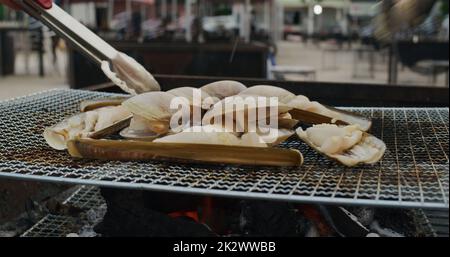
326,17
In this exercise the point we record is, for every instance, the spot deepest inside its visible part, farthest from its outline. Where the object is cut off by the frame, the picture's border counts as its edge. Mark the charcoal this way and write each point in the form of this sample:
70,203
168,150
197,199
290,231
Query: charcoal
263,218
128,214
365,215
398,220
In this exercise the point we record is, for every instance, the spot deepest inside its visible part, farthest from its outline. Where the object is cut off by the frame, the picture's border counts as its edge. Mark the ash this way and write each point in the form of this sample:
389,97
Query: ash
89,220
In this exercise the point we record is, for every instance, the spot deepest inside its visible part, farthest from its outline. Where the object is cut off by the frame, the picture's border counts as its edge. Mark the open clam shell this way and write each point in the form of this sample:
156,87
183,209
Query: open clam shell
188,153
367,149
312,112
131,134
112,129
89,105
154,108
98,123
245,111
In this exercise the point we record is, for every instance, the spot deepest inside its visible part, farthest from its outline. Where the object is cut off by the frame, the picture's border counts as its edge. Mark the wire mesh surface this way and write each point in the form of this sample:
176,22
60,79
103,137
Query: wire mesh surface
86,197
51,226
437,222
413,173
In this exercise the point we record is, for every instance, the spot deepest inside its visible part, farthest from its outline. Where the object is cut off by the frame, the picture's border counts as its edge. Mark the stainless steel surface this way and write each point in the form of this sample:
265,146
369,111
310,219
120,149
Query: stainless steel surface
414,172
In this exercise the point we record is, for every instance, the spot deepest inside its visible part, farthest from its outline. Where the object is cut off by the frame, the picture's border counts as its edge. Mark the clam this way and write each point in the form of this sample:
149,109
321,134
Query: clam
139,129
307,111
205,101
346,144
243,111
94,124
151,112
312,112
212,135
270,137
130,75
283,95
89,105
223,89
286,121
188,153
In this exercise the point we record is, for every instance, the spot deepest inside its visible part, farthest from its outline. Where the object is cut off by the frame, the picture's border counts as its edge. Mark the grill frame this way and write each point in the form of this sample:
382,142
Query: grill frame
231,181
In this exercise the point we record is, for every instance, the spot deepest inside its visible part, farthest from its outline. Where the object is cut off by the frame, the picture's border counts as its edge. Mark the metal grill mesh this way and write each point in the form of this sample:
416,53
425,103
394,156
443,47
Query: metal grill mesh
51,226
436,221
414,172
84,197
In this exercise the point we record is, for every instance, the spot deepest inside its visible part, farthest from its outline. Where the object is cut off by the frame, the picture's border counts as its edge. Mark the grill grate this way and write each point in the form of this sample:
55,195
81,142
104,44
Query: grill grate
51,226
432,223
436,221
60,225
414,172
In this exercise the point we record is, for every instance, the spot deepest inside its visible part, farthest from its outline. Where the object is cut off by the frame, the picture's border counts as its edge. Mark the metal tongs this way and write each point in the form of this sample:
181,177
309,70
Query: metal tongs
62,23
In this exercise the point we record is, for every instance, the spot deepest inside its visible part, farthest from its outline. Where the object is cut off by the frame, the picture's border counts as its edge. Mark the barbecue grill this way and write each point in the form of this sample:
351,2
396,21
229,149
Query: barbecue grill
430,223
414,172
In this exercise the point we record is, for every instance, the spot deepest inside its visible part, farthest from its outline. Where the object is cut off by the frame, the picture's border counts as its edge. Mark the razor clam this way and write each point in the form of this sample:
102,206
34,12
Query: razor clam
188,153
345,144
151,111
89,105
96,124
224,88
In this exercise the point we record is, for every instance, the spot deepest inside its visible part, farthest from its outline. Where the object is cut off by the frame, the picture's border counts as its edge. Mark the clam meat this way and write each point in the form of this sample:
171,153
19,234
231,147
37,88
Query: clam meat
102,121
151,112
212,135
346,144
130,75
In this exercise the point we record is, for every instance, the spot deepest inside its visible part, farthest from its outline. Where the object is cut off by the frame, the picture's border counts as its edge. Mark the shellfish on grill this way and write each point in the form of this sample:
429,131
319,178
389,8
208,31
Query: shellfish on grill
89,105
281,94
205,101
128,150
151,115
244,113
97,123
307,111
313,112
224,88
212,135
346,144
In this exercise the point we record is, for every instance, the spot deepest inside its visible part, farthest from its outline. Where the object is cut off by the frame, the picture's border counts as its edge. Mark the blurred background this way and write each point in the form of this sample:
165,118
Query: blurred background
339,41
